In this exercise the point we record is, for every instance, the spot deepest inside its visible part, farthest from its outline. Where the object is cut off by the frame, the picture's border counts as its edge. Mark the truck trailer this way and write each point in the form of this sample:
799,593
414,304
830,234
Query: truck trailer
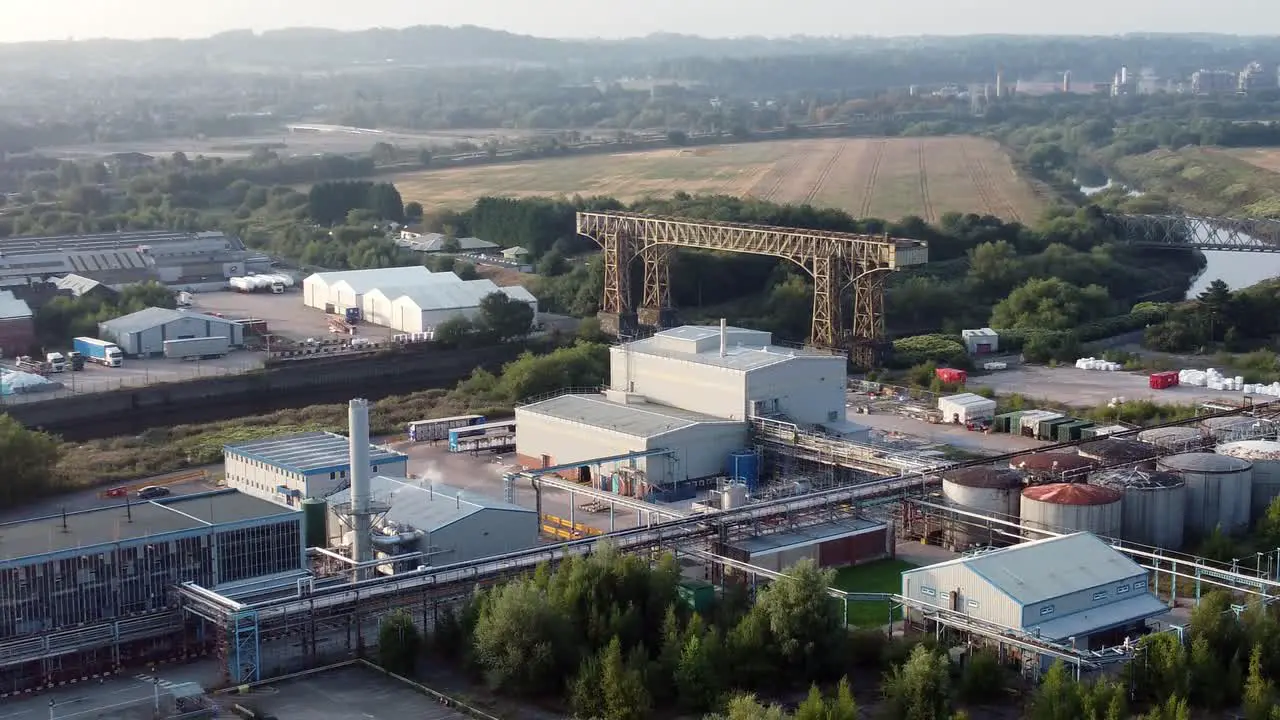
98,351
195,348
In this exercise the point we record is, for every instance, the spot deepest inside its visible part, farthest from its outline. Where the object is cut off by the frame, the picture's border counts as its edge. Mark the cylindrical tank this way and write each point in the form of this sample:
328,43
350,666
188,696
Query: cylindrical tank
1230,429
1154,506
1173,439
991,491
1072,507
315,522
1265,479
744,467
1219,491
1109,452
1053,467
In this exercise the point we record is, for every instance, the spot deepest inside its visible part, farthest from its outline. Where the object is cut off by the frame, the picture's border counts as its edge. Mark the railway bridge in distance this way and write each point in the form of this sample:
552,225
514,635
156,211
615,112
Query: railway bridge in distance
841,264
1192,232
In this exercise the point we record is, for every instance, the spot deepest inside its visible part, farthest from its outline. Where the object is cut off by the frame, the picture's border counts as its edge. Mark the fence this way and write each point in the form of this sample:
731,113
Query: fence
134,374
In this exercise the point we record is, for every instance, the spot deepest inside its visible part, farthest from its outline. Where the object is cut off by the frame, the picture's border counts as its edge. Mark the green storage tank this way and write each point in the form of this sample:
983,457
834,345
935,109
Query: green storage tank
699,595
315,522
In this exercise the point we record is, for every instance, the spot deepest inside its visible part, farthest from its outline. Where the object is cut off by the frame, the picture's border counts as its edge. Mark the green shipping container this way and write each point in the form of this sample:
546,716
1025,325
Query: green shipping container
1047,429
1076,430
699,595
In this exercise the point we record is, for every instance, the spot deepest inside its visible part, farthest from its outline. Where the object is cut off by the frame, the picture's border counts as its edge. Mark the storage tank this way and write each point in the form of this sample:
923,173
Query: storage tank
1118,451
315,522
744,467
1173,439
991,491
1219,490
1072,507
1154,505
1265,478
1053,467
1230,429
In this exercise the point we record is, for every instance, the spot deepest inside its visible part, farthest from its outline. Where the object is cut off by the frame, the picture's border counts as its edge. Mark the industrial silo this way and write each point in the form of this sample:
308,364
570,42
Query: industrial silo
315,522
991,491
1053,467
1072,507
1154,506
1109,452
1219,491
1265,479
1173,439
1231,429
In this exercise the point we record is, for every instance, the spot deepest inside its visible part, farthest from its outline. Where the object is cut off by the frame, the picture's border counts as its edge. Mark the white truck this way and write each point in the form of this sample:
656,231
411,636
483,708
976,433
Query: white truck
57,362
196,348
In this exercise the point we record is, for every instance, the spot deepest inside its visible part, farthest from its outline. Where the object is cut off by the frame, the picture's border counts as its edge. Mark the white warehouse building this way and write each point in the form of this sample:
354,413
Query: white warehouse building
143,334
426,307
304,465
336,291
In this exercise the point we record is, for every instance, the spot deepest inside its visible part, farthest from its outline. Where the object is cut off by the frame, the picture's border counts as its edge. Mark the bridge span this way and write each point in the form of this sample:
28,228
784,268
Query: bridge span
1193,232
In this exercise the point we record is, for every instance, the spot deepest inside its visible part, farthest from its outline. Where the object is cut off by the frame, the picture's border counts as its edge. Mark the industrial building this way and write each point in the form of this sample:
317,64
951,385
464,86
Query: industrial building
337,291
1073,590
983,341
143,334
438,242
424,308
17,326
199,260
91,591
305,465
445,524
81,286
830,545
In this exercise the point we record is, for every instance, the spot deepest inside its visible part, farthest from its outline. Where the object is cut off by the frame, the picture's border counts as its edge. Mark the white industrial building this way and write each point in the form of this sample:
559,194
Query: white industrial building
336,291
305,465
1071,590
689,391
732,373
423,308
143,334
444,523
982,341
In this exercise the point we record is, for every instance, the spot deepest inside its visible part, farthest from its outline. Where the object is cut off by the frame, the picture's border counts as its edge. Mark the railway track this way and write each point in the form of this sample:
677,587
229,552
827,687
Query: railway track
929,214
876,159
826,172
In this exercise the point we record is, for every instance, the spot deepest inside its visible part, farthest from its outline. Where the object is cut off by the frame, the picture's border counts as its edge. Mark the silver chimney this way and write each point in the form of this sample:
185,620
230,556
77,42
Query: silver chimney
361,512
724,336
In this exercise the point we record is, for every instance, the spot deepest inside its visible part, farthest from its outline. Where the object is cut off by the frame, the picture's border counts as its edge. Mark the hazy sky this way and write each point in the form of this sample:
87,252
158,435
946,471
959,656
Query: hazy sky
61,19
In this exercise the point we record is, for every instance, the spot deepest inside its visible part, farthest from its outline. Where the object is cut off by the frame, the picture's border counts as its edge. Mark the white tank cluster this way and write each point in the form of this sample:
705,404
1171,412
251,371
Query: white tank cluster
1214,380
1219,491
1154,505
258,283
1265,456
987,490
1090,363
1072,507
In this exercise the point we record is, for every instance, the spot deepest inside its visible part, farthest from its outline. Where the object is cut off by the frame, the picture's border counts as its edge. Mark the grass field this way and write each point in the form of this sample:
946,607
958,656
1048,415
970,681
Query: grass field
1210,181
881,576
868,177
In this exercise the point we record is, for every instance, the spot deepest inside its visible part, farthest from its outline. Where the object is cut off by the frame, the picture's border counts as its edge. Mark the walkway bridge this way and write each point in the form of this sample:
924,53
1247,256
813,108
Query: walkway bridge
1198,233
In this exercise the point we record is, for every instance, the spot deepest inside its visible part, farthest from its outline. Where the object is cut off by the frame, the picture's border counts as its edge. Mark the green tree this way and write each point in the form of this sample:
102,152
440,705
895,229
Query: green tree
1214,302
450,245
699,675
919,689
1268,530
804,626
982,679
1259,691
1058,697
399,643
1173,708
503,318
1049,304
746,707
519,639
413,211
28,463
453,332
1160,669
622,686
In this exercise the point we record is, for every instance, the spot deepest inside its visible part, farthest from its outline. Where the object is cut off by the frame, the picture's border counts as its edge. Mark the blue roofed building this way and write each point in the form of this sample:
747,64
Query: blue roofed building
304,465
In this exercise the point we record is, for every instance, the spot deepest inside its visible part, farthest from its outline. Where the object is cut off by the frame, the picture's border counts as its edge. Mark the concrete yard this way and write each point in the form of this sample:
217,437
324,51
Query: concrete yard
989,444
285,314
140,373
128,696
342,694
1088,388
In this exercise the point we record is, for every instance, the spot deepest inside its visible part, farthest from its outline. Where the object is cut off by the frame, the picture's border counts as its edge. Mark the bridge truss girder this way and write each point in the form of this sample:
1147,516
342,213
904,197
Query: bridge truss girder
1200,233
836,261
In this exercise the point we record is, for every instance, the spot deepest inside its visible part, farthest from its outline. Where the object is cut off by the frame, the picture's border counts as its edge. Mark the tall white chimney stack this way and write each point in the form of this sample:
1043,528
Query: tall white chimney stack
361,520
724,336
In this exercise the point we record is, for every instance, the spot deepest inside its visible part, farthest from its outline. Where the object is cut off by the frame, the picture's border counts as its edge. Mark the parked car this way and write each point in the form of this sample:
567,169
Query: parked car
152,492
116,492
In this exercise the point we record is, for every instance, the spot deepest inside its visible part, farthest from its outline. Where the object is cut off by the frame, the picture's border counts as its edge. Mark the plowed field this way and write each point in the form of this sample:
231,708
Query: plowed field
868,177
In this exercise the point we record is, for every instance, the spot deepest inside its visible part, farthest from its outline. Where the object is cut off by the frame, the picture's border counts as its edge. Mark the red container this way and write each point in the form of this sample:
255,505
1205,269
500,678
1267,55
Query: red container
952,376
1163,380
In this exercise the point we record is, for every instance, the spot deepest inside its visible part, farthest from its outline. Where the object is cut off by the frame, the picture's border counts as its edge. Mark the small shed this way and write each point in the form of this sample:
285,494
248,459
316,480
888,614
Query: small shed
983,341
515,254
966,407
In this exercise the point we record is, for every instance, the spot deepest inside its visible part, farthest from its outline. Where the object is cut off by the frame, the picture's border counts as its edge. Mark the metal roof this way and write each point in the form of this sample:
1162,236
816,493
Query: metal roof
11,308
1059,462
458,295
1041,570
126,241
434,242
428,507
1073,494
737,356
1204,463
151,317
138,519
780,541
362,281
985,477
309,452
77,284
1102,617
1251,449
637,419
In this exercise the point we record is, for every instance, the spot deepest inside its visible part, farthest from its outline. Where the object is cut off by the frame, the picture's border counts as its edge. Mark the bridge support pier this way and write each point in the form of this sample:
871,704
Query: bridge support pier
656,308
868,345
616,314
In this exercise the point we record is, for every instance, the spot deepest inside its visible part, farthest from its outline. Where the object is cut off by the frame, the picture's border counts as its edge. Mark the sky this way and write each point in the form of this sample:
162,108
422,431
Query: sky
29,20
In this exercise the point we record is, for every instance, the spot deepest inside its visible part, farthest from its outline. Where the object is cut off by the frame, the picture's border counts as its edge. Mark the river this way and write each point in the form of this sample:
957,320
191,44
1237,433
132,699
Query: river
1236,269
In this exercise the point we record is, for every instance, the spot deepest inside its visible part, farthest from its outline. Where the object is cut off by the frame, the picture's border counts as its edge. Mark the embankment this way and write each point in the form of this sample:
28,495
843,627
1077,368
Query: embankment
132,410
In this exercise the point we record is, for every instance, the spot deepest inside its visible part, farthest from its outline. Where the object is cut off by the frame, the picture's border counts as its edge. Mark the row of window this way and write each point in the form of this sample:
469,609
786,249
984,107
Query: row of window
1049,609
926,590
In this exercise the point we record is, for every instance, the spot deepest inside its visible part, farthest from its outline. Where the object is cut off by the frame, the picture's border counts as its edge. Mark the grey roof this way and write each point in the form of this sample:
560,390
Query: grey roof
140,519
308,452
148,318
104,242
745,350
77,284
1204,462
776,542
434,242
638,419
461,294
1036,571
12,308
1102,617
362,281
427,508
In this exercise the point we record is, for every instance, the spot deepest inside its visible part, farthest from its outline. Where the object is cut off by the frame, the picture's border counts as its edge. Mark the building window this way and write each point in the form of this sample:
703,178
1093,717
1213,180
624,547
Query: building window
928,591
1046,610
1122,589
973,604
375,468
333,476
1100,595
1139,584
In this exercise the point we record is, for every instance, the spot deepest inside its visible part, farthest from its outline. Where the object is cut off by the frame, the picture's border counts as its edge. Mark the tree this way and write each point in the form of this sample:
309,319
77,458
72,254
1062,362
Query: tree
398,643
450,245
1160,668
453,332
1057,698
425,157
982,679
622,686
518,642
804,626
1259,691
1214,302
699,674
504,318
746,707
1173,708
1049,304
413,211
28,463
919,689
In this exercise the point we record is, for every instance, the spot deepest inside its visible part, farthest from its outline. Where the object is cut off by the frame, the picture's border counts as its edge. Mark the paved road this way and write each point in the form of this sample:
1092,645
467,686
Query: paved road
130,695
92,498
